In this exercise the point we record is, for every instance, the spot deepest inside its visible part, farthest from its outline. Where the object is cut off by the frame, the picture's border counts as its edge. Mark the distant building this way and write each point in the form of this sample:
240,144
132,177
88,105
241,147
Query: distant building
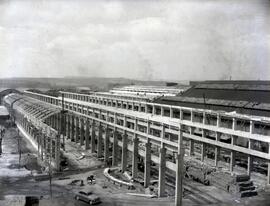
244,97
150,91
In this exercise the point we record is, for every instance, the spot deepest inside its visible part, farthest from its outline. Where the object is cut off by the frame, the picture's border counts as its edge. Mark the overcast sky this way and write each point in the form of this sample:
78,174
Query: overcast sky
142,39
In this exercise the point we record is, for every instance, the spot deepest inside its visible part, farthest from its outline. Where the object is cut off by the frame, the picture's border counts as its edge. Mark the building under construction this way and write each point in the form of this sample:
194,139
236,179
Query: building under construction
221,126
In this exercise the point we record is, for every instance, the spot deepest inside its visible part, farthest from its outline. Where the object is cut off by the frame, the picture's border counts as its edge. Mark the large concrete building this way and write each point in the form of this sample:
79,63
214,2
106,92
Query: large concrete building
133,130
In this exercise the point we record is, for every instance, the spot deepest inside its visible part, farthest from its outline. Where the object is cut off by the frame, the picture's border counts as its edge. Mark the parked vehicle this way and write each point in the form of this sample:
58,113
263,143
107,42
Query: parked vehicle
88,197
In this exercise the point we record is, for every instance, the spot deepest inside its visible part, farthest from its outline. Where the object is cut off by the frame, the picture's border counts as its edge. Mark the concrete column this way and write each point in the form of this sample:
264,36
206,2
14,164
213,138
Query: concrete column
147,164
181,114
171,112
135,157
179,170
124,153
77,129
250,158
191,142
203,150
57,151
232,158
191,147
154,110
71,128
115,148
217,155
106,145
251,127
204,117
217,149
42,146
81,132
268,169
162,134
162,111
191,116
93,143
232,161
234,124
87,134
162,170
218,120
99,141
67,126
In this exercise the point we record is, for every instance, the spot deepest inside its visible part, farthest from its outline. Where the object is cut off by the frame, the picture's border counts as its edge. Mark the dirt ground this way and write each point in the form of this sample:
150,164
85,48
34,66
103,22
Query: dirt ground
17,182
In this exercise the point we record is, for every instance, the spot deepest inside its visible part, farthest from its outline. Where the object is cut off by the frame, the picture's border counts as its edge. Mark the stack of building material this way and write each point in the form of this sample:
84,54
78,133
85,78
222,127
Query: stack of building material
243,186
221,179
240,185
198,171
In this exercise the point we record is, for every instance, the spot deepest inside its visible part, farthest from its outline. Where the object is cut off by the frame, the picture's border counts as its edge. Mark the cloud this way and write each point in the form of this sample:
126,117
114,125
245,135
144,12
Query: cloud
176,40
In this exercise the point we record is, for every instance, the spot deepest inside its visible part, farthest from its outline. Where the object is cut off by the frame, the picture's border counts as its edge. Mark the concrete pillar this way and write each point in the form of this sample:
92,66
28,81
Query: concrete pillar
203,150
234,124
217,155
106,145
81,132
191,116
77,129
162,111
42,146
250,165
135,157
204,117
162,134
250,158
67,126
232,158
217,149
154,110
251,127
124,153
191,142
191,147
147,164
162,170
268,169
57,151
171,112
181,114
87,134
72,128
218,120
179,170
99,141
115,148
93,143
